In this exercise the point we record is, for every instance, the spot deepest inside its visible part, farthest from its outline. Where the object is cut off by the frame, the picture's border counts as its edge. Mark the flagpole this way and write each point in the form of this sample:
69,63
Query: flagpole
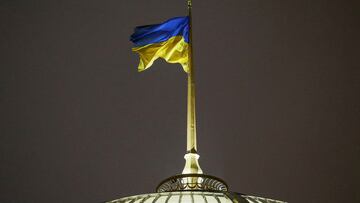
191,156
191,117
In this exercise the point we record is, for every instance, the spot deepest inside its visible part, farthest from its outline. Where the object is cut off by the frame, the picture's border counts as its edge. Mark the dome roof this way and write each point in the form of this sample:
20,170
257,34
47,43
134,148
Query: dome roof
193,188
192,197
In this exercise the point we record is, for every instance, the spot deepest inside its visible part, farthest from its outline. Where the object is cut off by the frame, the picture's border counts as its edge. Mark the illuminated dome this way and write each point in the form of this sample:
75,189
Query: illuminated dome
193,188
194,197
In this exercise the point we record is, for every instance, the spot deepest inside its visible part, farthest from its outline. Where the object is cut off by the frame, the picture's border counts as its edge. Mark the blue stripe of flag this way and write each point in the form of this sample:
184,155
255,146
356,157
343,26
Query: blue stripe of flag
150,34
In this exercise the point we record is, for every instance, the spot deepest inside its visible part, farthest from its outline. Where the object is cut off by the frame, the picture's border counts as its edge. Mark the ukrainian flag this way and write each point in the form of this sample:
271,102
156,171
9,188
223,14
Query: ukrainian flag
168,40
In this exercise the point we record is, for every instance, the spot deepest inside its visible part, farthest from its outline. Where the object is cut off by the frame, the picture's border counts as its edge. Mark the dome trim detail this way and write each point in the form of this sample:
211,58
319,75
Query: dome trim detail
192,182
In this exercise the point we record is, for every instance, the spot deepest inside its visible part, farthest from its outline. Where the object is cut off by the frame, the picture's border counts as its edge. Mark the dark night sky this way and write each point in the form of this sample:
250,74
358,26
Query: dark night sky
278,101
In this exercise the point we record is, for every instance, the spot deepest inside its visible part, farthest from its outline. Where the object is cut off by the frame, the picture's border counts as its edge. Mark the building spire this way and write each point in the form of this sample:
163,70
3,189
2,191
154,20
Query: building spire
191,157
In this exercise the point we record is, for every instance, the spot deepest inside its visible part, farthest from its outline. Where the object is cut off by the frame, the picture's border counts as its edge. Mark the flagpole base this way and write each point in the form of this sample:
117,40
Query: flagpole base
192,164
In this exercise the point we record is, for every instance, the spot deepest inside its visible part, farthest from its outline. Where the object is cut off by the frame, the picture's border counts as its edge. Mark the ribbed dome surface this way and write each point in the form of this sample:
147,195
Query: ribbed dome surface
194,197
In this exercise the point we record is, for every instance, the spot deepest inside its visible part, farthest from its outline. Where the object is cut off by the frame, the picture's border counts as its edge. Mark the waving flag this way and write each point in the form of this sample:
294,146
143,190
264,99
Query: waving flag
168,40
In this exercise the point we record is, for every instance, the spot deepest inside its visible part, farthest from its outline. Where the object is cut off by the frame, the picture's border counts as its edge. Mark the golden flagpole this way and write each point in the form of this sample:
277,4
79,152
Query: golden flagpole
191,117
191,157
